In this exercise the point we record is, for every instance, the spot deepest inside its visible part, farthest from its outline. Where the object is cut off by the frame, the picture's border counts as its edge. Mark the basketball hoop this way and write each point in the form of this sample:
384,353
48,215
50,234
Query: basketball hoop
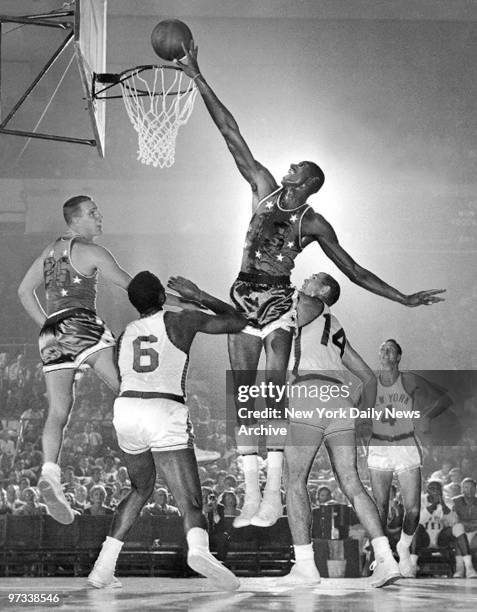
158,100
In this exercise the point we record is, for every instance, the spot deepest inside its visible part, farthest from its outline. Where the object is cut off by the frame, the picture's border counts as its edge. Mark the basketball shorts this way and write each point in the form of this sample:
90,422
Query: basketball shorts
155,424
392,457
69,337
268,303
329,418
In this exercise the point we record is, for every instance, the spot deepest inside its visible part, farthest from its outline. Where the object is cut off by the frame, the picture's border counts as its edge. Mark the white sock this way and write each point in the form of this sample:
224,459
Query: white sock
197,538
304,553
405,540
468,562
381,546
110,552
51,469
274,471
414,559
250,470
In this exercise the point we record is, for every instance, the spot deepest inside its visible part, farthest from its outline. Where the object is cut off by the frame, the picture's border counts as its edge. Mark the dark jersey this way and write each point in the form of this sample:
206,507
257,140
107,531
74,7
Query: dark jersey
273,238
65,286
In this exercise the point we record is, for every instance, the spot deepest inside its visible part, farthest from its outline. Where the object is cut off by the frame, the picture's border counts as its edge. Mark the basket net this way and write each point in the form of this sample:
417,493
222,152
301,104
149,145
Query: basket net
158,100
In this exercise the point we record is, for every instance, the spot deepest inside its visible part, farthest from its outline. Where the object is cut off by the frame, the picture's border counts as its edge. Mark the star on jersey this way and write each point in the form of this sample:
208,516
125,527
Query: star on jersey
290,244
258,254
279,257
52,252
77,280
65,252
269,205
293,218
64,292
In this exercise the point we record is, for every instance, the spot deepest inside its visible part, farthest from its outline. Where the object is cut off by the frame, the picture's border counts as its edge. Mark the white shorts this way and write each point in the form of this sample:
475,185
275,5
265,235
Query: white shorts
155,424
394,458
287,322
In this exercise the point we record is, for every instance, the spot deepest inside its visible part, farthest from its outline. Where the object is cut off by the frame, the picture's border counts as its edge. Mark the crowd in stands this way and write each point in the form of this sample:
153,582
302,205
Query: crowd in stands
95,480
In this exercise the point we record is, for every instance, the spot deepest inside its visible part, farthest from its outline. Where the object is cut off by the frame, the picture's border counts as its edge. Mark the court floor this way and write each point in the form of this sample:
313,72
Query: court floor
255,594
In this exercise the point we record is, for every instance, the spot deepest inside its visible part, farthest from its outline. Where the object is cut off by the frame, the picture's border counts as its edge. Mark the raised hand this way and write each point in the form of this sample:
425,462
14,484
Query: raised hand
185,288
424,298
190,67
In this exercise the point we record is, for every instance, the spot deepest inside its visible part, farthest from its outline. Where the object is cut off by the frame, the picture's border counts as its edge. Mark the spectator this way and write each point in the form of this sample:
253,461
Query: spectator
230,482
209,506
110,470
452,489
443,473
4,506
465,507
467,469
228,504
323,496
96,477
70,498
97,496
81,498
159,505
13,497
435,522
69,482
123,477
32,423
7,445
31,505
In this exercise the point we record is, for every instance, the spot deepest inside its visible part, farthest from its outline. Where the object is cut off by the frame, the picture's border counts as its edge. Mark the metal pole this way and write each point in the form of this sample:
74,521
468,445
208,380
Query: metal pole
42,73
63,25
41,136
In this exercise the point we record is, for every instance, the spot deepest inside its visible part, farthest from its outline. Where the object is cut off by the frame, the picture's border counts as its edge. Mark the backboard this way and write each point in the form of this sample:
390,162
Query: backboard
90,49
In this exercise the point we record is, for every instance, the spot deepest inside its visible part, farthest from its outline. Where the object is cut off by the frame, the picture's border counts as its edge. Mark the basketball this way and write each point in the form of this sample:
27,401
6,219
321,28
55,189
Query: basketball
168,37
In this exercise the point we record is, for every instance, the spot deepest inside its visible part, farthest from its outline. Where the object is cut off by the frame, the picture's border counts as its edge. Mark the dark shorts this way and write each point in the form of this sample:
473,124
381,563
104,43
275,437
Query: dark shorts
267,303
71,336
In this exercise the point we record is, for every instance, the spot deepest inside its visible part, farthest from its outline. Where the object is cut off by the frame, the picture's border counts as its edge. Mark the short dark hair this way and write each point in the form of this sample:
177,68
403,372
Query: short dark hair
468,479
396,344
318,174
334,292
146,291
71,208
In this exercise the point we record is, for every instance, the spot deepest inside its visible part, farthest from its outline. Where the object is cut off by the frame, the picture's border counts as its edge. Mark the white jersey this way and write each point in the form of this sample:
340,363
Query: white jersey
148,361
320,345
391,399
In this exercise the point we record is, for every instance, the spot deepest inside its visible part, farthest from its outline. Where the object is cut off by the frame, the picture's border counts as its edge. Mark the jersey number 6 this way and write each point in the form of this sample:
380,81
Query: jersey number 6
148,355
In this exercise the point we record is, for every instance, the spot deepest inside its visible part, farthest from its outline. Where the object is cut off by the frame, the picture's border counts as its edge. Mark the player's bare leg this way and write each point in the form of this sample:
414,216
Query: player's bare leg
381,481
342,452
182,477
303,442
410,483
142,473
277,350
59,389
104,364
244,354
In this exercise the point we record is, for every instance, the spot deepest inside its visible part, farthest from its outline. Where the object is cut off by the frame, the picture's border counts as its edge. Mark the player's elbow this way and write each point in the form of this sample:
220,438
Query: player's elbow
236,323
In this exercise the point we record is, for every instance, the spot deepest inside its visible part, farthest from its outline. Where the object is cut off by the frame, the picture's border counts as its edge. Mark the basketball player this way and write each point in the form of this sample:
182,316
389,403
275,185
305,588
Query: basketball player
393,447
323,355
152,422
282,225
71,332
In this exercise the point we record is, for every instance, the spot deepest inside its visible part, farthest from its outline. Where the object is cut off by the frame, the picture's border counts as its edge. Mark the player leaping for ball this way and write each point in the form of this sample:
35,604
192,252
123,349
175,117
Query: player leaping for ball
282,225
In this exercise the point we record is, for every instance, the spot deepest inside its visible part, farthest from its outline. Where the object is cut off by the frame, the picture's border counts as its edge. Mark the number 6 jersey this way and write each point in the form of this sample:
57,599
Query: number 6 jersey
148,361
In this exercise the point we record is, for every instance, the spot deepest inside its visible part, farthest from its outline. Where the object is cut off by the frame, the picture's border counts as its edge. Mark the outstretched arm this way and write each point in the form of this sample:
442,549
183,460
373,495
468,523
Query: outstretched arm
259,178
322,231
357,366
27,291
190,291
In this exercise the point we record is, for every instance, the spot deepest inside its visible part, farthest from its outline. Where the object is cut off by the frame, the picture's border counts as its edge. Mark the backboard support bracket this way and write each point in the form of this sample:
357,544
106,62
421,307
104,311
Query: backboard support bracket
50,20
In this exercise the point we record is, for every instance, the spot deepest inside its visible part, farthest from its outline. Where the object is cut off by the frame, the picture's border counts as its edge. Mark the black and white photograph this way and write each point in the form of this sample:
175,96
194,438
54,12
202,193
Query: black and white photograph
237,305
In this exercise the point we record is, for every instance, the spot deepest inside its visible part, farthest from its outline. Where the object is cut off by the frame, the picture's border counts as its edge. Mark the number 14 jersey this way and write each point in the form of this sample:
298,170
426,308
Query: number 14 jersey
148,360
